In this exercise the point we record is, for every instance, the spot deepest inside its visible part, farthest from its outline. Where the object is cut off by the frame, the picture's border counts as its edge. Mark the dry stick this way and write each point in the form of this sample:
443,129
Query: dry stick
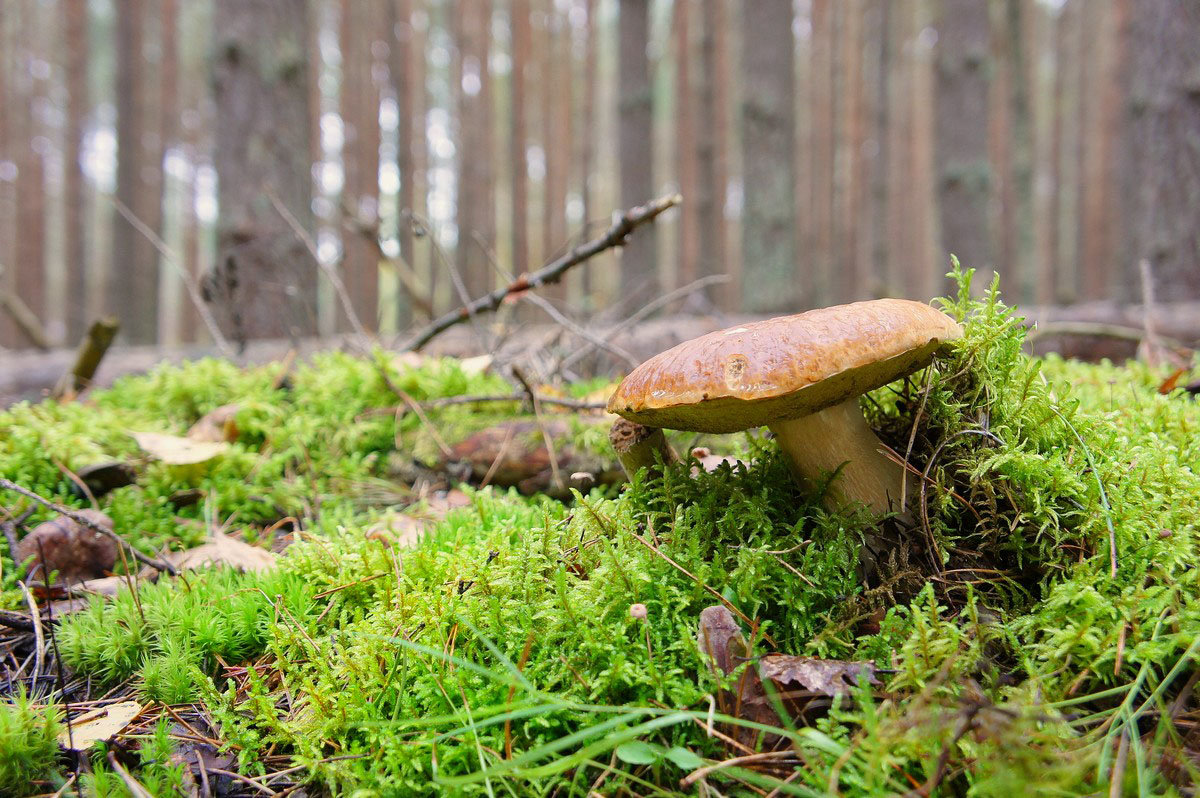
133,785
448,401
90,524
335,280
737,761
25,318
554,313
456,279
91,351
188,282
405,274
39,641
551,273
643,312
537,415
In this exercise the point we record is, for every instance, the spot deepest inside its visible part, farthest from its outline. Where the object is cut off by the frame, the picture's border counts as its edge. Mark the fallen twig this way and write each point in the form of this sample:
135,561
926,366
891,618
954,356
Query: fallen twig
616,235
449,401
83,520
189,282
25,318
91,351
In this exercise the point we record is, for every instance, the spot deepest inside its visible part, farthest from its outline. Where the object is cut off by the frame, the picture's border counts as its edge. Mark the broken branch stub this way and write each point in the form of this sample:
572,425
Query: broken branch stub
638,446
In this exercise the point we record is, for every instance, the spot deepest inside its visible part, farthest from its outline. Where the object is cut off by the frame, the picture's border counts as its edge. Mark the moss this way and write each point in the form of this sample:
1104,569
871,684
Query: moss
1013,653
28,744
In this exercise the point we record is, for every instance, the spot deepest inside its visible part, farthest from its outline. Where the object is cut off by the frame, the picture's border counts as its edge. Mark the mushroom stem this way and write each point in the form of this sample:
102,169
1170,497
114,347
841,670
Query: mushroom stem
636,446
819,443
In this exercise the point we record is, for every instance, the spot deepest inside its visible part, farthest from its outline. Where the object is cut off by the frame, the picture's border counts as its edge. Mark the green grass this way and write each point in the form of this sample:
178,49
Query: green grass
499,656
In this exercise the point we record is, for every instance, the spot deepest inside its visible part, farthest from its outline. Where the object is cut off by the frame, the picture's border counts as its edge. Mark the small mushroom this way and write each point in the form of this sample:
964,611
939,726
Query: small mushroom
638,446
801,376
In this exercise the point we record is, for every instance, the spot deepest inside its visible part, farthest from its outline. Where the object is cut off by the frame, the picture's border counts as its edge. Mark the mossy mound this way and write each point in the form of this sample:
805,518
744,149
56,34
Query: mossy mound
1037,633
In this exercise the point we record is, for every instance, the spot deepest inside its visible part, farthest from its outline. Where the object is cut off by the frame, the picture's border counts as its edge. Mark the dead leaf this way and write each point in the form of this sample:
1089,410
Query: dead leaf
220,550
173,450
104,586
99,725
405,528
827,677
217,426
722,643
75,551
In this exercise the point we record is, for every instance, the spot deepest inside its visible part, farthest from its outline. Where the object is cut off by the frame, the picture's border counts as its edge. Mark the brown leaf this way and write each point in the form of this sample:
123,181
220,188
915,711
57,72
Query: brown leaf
221,550
75,551
173,450
723,645
99,725
827,677
217,426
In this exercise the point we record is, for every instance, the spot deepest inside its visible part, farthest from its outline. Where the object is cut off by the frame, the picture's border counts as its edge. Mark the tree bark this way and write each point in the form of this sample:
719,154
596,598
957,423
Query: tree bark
1161,159
264,281
635,146
768,132
963,76
822,152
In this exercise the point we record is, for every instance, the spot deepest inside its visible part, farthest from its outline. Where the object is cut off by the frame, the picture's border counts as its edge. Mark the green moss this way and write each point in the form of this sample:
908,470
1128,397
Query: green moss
1002,611
28,744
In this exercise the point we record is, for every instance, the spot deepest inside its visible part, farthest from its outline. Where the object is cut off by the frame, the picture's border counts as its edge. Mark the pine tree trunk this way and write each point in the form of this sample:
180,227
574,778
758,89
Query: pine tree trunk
10,336
821,154
264,281
768,131
133,281
711,143
965,181
75,34
1161,159
521,35
635,146
474,162
685,149
360,158
587,139
880,246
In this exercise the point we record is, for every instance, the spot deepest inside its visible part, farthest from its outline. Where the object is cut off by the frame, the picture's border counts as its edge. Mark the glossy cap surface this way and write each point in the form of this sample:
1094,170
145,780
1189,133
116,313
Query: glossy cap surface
782,368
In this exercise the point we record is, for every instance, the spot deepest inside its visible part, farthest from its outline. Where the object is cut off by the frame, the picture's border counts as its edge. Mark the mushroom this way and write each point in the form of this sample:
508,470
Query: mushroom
801,376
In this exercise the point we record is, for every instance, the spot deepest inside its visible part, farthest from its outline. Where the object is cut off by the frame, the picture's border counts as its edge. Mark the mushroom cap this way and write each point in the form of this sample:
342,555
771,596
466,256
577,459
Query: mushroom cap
782,368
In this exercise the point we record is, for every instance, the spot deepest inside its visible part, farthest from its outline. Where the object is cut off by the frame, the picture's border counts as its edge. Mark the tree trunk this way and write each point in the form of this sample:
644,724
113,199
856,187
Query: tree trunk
822,153
1161,160
31,262
472,193
555,146
360,158
881,163
264,281
521,34
9,333
587,140
75,34
686,165
963,75
635,146
711,143
768,130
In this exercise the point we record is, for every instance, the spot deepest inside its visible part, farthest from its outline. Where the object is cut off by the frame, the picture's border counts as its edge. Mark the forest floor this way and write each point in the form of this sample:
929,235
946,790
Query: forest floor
383,588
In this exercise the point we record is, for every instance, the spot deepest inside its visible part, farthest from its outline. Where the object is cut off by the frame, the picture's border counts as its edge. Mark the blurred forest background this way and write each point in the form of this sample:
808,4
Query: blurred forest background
160,154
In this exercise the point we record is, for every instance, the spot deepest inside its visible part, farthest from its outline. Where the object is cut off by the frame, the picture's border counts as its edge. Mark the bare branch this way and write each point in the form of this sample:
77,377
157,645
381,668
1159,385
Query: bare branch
616,235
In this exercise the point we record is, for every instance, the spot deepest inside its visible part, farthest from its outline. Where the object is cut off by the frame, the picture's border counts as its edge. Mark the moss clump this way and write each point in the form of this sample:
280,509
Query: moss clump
28,744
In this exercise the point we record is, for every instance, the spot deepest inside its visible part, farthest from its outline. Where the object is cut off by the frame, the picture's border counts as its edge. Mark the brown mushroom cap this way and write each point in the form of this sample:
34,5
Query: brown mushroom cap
782,368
